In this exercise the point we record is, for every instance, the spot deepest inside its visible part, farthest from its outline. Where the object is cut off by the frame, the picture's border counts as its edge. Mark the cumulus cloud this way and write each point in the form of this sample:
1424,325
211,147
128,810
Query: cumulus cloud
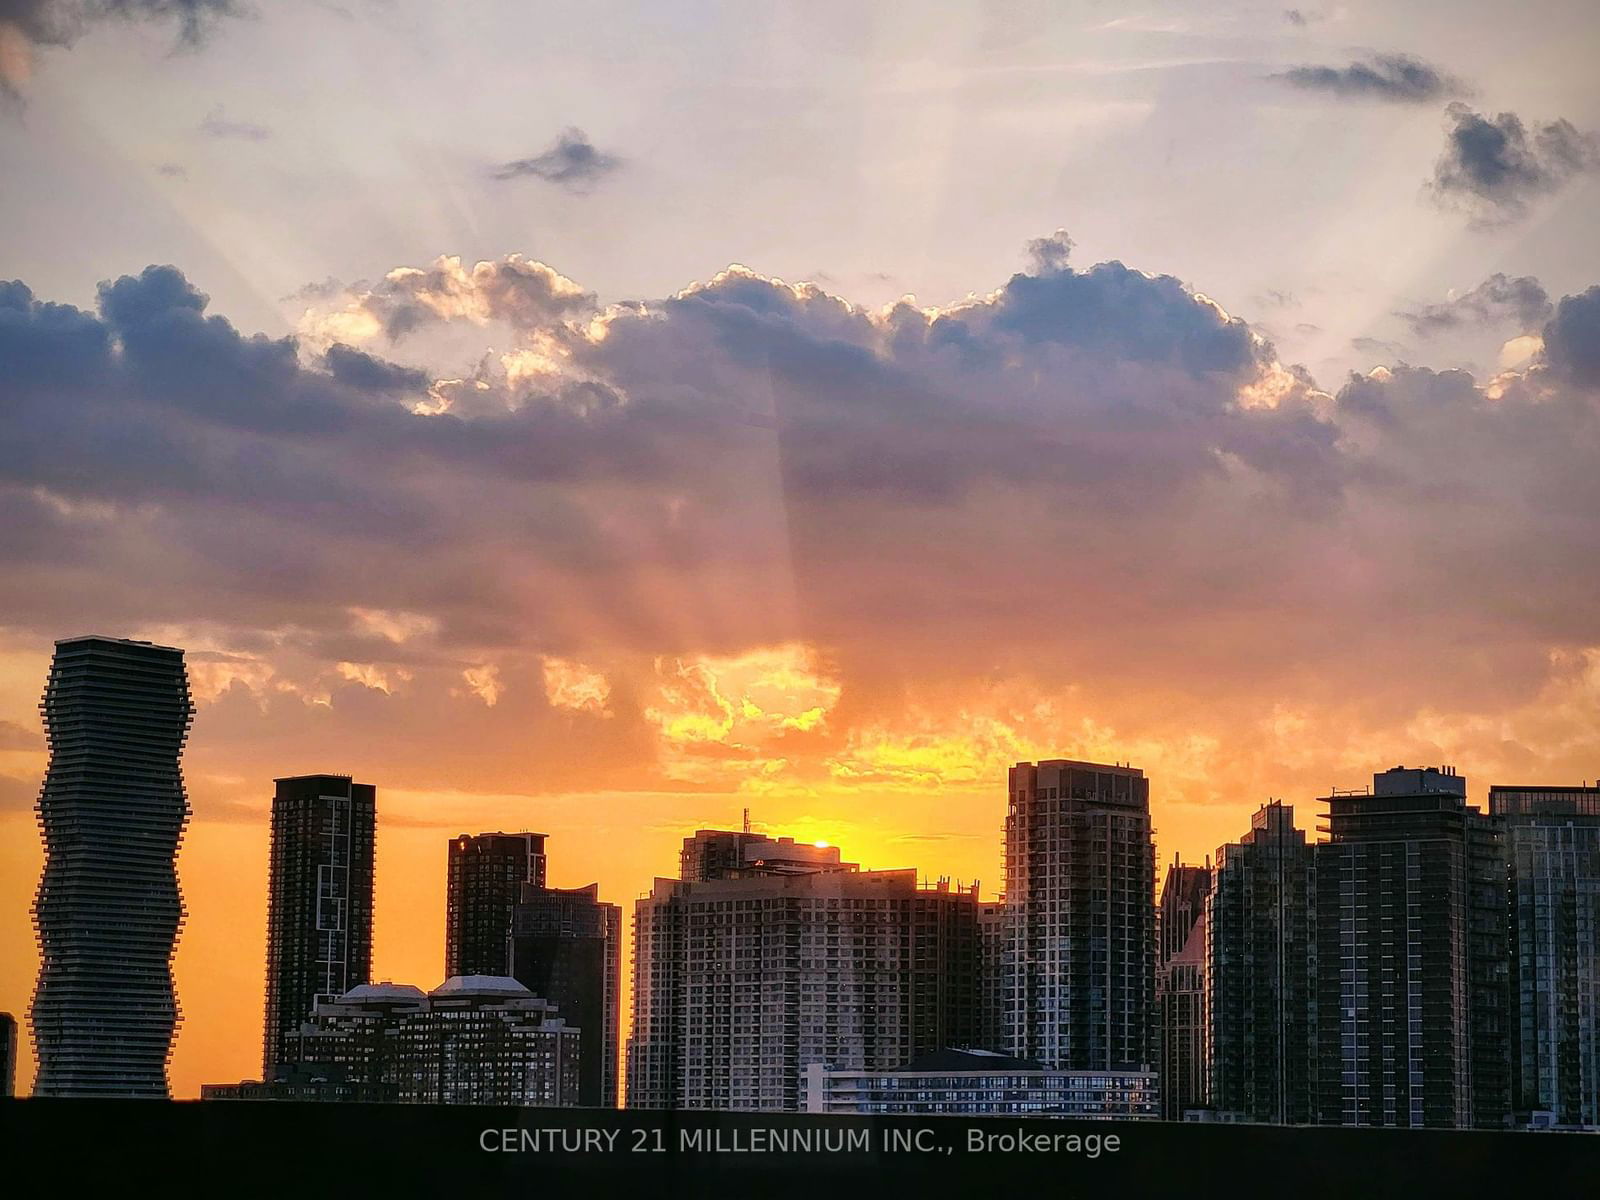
26,25
526,295
1050,253
572,685
572,162
1494,167
1521,301
1395,77
813,544
1572,339
362,370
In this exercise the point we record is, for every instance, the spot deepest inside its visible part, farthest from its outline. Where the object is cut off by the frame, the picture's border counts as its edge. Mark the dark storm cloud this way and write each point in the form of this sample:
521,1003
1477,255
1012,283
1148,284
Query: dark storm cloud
173,409
176,356
1493,167
361,370
50,344
228,458
1572,339
935,484
923,406
1115,312
573,163
1521,301
1397,77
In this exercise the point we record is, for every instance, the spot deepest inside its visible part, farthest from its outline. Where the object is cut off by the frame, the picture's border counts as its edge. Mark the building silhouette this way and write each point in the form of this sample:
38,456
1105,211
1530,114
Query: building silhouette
991,976
1080,905
1552,839
731,854
1181,988
112,811
484,880
566,946
320,1083
472,1040
739,983
319,900
8,1054
1412,1020
981,1083
1261,943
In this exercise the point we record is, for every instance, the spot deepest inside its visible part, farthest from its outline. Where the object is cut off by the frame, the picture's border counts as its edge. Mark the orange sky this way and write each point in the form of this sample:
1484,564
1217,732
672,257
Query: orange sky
933,799
613,572
441,428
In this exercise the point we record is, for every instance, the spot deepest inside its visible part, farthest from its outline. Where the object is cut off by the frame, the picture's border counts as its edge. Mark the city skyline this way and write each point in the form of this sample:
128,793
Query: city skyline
607,421
732,855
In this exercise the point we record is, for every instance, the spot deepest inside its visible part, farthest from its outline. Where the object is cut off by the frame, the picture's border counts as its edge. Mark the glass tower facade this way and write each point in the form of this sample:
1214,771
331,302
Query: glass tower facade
319,900
1412,1003
1080,917
1553,846
1261,947
485,878
1181,988
566,946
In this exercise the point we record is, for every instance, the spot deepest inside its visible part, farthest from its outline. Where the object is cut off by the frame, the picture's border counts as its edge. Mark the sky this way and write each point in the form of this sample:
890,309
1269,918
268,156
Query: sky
604,419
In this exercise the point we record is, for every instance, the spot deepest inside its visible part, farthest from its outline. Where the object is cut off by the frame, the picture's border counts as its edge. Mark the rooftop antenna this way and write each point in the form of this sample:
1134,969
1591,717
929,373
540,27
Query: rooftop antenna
747,820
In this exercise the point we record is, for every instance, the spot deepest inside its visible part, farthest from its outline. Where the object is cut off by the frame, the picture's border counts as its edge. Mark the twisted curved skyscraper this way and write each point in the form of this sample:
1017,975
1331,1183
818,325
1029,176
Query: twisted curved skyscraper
112,812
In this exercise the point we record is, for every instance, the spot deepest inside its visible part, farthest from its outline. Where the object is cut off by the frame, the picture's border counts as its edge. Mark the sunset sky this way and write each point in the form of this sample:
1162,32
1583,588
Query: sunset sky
599,419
